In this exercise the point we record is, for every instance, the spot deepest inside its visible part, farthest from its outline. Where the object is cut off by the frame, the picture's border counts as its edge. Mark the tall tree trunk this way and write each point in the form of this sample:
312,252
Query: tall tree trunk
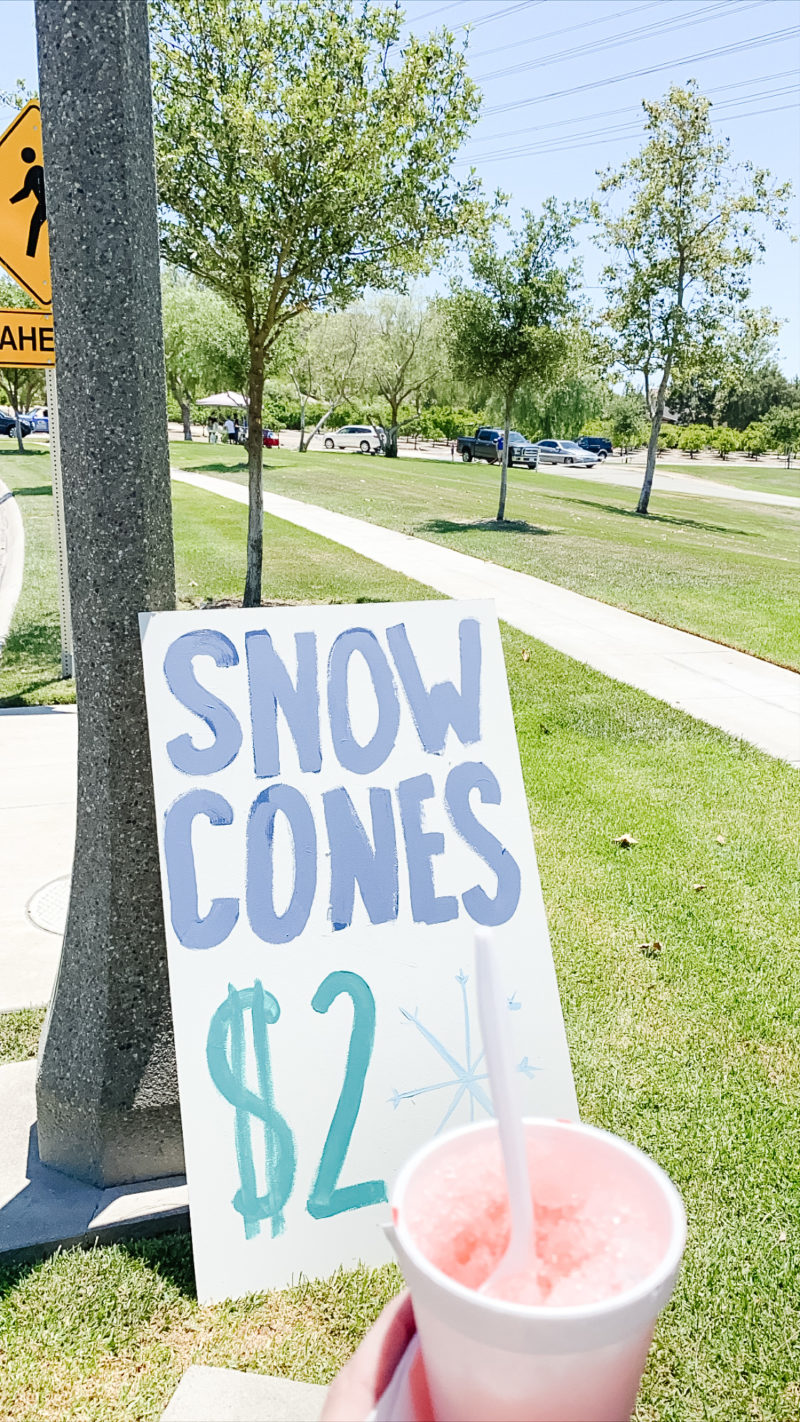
255,457
655,430
186,416
21,447
391,434
501,507
303,446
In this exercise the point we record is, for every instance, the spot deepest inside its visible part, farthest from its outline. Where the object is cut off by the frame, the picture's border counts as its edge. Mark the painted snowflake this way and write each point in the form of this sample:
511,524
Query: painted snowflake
466,1077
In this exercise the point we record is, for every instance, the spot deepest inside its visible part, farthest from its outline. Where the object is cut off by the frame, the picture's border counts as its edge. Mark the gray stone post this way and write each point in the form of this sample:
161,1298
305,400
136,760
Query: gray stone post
106,1088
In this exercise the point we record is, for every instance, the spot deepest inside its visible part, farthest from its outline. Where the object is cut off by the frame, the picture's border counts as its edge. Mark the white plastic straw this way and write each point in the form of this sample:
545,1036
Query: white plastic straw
493,1015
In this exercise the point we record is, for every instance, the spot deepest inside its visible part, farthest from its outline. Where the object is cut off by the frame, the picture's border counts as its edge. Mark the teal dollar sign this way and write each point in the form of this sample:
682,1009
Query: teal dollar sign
225,1054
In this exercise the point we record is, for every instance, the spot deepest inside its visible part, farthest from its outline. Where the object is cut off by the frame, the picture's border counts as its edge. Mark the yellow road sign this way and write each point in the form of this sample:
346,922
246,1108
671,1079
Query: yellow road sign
26,338
24,248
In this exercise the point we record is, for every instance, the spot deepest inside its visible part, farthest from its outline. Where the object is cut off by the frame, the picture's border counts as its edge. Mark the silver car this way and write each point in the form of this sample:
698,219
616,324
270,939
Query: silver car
364,438
565,451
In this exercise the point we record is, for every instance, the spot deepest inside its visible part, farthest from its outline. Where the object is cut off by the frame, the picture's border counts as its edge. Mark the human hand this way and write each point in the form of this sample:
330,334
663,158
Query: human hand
355,1391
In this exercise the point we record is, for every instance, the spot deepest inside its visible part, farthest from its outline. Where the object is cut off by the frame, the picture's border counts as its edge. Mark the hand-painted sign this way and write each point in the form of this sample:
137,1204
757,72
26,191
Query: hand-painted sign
24,248
26,338
340,804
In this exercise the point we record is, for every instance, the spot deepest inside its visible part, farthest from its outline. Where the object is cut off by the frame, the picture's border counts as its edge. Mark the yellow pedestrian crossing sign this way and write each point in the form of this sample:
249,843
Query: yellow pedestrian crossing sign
24,246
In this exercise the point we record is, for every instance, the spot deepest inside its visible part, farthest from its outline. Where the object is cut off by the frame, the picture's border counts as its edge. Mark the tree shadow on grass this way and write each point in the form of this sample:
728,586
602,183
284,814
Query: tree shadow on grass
659,518
170,1255
484,525
216,467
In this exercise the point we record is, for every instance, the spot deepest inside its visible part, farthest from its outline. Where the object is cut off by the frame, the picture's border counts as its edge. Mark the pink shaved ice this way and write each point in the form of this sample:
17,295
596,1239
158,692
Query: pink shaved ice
595,1233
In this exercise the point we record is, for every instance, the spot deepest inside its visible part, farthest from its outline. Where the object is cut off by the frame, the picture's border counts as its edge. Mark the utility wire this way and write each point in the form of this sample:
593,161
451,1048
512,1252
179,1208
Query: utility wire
568,29
661,27
632,108
590,141
774,37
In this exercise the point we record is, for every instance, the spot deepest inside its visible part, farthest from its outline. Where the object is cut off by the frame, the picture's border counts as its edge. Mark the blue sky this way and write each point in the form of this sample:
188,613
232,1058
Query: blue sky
563,82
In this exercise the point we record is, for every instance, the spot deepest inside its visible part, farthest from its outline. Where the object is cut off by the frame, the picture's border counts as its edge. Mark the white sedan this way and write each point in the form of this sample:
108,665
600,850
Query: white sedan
361,437
565,451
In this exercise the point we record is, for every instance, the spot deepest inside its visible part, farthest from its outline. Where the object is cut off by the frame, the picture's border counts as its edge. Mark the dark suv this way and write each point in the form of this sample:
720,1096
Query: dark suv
8,426
597,445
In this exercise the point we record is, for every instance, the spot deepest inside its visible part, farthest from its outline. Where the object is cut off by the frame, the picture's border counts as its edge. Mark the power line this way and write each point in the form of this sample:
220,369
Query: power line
592,140
568,29
498,14
774,37
629,108
692,18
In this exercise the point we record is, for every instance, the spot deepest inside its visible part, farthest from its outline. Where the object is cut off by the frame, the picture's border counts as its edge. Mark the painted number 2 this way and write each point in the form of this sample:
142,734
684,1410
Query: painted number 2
226,1064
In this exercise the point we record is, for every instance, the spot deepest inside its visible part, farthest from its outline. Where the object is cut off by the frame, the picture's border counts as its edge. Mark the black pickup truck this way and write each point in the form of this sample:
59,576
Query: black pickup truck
484,445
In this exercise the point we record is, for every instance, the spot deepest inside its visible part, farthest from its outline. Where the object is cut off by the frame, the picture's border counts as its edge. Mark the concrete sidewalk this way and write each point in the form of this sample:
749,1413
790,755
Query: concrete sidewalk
38,749
742,695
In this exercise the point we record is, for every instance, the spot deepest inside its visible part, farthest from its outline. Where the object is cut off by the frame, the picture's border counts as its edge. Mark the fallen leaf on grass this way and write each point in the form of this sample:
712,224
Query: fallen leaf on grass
720,839
782,1236
698,887
526,656
544,729
650,950
625,841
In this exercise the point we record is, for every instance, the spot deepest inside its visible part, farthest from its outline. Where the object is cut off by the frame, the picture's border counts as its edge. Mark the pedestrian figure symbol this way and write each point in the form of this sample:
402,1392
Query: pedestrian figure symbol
33,185
24,222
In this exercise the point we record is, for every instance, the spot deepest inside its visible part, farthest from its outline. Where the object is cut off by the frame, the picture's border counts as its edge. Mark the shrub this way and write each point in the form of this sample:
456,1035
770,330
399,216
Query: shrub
755,439
693,438
724,440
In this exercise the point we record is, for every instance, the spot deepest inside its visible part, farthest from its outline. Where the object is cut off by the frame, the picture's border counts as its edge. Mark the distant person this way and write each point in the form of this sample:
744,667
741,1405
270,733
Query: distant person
237,430
230,430
213,430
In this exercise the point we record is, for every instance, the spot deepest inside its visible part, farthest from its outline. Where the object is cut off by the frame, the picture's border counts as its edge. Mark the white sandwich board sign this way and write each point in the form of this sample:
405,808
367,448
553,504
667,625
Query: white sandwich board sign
339,803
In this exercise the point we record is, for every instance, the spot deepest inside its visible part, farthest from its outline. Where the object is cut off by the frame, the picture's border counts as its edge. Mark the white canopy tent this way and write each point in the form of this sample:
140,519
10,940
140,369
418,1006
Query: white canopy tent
227,399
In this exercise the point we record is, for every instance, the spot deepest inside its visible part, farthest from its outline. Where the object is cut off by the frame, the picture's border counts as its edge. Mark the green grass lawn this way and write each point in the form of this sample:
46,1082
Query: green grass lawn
19,1034
726,571
681,990
763,479
30,669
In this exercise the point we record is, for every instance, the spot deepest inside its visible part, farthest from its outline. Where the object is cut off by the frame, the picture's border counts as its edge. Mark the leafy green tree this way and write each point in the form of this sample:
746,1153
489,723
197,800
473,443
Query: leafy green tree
511,326
205,343
563,408
724,440
679,223
304,154
693,438
404,355
783,427
327,364
755,439
452,421
626,417
20,386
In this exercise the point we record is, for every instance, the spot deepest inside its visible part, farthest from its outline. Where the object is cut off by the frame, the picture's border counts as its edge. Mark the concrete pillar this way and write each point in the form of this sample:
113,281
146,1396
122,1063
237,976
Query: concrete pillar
106,1088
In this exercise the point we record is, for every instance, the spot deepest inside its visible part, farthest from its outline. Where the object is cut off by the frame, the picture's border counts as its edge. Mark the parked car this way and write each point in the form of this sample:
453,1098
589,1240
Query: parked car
8,426
565,451
40,424
484,445
596,444
365,438
271,440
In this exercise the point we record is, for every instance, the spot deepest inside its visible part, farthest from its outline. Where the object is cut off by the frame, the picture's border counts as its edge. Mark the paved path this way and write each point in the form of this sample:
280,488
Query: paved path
742,695
38,749
667,482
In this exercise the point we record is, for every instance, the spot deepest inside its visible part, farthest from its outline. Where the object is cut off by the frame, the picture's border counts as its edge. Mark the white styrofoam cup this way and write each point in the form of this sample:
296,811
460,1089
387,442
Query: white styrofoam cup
486,1358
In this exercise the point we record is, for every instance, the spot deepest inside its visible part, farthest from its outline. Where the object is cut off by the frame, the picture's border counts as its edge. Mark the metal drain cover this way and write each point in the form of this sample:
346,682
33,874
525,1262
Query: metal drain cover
47,908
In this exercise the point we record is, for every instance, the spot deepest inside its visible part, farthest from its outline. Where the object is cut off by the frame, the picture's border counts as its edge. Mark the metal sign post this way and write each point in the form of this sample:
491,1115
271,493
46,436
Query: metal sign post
67,658
26,337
